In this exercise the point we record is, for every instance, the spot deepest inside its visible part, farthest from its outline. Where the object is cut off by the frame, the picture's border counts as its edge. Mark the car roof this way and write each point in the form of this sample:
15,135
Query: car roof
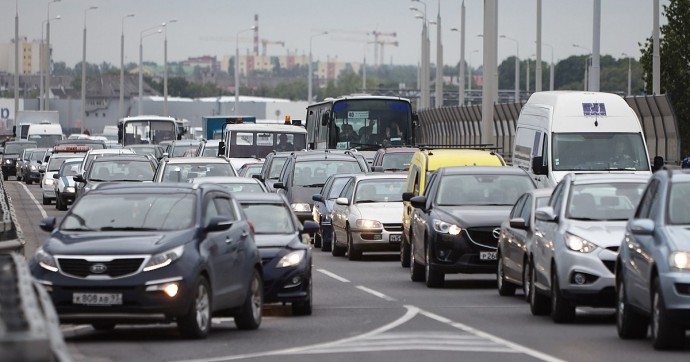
258,197
399,150
374,176
68,155
223,180
679,175
585,178
122,158
315,155
73,159
438,158
195,160
482,170
148,187
109,151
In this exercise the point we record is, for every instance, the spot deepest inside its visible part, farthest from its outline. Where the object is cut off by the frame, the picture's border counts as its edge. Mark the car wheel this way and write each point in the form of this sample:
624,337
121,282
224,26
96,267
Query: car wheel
562,310
317,240
325,246
538,303
63,204
352,252
405,253
665,333
57,202
46,201
103,326
196,323
525,279
336,250
250,315
505,288
416,270
29,182
19,178
630,324
434,278
303,307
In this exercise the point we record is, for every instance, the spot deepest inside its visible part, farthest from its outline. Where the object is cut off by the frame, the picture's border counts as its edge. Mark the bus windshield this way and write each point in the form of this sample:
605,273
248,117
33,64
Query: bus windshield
599,152
369,124
148,131
260,143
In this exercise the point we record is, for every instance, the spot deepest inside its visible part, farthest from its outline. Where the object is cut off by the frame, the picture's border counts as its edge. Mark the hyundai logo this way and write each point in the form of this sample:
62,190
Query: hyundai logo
98,268
496,233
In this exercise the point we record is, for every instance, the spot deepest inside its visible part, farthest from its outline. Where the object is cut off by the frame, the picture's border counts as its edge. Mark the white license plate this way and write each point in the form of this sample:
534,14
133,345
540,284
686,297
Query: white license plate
395,238
487,255
97,298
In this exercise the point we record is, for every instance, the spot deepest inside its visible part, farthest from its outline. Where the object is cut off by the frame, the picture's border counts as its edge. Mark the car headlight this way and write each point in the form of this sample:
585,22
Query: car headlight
69,189
41,168
8,162
32,168
164,259
446,228
48,181
680,260
301,207
576,243
368,224
291,259
45,260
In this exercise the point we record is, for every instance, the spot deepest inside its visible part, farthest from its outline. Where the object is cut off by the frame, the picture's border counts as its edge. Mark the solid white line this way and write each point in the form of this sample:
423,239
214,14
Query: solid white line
40,207
378,294
334,276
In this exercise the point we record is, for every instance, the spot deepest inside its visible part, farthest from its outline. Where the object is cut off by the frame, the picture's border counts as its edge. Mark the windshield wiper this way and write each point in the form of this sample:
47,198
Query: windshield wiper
312,185
584,219
126,228
365,201
620,169
96,180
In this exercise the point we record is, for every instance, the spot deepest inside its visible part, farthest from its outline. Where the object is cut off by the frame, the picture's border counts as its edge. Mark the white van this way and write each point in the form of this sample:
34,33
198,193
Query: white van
45,134
566,131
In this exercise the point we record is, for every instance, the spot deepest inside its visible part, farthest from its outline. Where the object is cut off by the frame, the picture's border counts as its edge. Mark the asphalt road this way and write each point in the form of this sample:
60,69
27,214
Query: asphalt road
367,310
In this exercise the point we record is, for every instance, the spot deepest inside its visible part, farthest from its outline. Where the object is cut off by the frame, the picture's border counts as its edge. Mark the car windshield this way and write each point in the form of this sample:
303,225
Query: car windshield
12,148
210,151
604,201
270,218
242,187
55,163
144,150
397,161
121,170
314,173
599,152
183,172
36,155
45,140
179,150
131,212
380,190
70,168
463,190
678,210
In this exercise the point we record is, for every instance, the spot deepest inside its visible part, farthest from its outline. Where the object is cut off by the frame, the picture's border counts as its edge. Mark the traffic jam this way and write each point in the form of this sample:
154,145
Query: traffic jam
159,229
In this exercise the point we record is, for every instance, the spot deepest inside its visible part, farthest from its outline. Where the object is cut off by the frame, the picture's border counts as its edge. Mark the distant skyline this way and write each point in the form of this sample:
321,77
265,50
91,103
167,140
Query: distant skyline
624,24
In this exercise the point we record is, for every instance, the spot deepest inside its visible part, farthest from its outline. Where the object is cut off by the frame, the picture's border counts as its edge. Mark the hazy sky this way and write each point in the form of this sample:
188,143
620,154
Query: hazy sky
209,27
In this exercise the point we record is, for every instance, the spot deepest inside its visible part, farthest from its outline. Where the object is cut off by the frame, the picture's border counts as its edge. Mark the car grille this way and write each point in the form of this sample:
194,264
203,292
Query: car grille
610,265
81,268
483,236
614,248
393,227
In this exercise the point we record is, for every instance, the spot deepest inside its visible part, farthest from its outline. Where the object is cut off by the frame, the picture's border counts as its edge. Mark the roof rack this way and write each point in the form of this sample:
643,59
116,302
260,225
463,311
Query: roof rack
483,146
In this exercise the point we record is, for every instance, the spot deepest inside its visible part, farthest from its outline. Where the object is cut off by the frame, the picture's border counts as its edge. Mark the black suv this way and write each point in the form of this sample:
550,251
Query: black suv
305,173
9,158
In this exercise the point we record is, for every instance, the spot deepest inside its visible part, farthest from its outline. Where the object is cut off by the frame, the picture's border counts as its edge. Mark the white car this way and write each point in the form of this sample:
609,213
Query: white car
48,183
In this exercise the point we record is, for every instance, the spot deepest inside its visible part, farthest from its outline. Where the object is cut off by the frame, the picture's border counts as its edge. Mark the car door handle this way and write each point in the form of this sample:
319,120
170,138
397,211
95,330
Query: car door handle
244,234
228,240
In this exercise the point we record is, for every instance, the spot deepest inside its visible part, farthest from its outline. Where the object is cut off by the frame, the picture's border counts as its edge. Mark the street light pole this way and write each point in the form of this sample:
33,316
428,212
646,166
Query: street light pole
237,67
143,34
551,70
470,77
629,73
16,60
47,87
424,91
165,66
83,74
122,66
310,70
517,67
589,52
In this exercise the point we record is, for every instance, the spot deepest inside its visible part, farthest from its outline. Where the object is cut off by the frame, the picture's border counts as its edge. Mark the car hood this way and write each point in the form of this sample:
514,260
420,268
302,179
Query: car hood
272,244
603,233
679,237
385,212
114,242
473,216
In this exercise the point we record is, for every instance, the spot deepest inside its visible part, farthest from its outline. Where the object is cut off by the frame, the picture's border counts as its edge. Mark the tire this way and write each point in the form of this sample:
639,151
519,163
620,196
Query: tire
405,253
336,250
103,326
665,333
538,303
505,288
196,323
434,278
250,315
57,202
416,270
29,182
562,310
303,307
525,280
352,252
325,246
317,240
46,201
629,323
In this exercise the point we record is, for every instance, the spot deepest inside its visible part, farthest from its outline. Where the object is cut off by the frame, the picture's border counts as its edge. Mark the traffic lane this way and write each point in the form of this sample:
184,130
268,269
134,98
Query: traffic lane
28,207
472,299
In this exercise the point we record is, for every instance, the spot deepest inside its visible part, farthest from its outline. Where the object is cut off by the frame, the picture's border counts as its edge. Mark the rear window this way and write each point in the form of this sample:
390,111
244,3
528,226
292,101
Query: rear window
311,173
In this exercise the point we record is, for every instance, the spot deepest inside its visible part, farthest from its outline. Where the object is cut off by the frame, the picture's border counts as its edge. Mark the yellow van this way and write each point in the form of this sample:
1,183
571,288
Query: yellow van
423,163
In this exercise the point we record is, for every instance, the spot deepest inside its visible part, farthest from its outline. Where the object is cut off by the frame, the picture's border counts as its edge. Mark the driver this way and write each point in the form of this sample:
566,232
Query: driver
621,156
283,144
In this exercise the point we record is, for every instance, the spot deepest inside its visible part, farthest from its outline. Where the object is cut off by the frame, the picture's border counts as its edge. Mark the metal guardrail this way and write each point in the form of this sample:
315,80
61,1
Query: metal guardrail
11,235
461,125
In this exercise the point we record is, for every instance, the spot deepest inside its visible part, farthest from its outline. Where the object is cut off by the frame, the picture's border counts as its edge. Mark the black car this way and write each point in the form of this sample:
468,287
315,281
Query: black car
28,165
9,158
286,260
455,225
115,168
142,253
323,204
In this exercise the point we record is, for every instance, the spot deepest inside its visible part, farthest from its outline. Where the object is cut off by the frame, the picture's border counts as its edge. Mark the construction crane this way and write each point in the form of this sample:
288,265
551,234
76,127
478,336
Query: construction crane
380,43
265,42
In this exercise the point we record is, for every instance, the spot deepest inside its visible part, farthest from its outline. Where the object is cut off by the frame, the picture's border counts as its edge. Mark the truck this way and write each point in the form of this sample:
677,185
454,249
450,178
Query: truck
212,126
25,118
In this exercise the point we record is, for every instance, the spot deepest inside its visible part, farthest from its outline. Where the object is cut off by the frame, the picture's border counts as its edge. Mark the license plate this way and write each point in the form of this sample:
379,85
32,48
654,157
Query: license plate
97,298
396,238
487,255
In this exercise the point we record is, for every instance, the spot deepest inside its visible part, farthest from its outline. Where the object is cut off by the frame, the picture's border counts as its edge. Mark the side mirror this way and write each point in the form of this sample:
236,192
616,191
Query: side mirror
658,163
518,223
415,119
221,148
310,227
406,196
47,224
278,185
218,223
342,201
545,213
538,168
642,226
78,178
418,202
56,176
258,177
317,197
39,162
165,154
377,169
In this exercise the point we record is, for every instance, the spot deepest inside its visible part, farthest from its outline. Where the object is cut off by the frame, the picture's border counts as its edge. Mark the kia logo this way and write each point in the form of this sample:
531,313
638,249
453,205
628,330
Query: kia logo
496,233
98,268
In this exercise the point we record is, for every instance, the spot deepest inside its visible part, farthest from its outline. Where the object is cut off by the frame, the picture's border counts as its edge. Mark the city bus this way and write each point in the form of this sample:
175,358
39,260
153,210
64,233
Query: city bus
361,122
148,130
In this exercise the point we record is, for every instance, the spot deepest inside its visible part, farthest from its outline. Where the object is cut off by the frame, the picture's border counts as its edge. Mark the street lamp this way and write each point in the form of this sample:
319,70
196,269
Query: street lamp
83,73
424,84
165,66
237,66
44,64
47,87
143,34
310,71
469,72
589,54
122,66
629,73
551,69
517,67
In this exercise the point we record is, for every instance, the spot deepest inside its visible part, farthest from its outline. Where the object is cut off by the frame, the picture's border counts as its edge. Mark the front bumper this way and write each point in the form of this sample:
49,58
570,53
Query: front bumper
9,169
675,288
376,239
67,197
33,176
461,253
289,284
596,267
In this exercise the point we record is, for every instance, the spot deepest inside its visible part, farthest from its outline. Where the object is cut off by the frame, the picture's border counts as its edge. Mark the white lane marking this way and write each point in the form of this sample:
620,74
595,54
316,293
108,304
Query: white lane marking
40,207
378,294
334,276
